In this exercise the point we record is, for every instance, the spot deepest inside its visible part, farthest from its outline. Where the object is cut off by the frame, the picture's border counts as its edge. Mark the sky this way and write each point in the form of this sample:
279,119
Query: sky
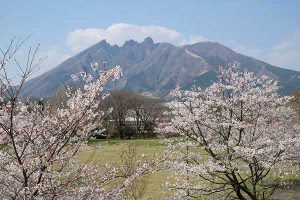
268,30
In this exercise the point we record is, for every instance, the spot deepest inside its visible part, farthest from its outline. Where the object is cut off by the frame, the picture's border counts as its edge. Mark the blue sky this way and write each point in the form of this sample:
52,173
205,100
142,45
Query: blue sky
268,30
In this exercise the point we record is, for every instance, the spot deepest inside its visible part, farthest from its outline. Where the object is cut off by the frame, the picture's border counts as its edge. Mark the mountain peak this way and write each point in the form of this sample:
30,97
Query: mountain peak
129,43
103,44
210,44
212,49
148,40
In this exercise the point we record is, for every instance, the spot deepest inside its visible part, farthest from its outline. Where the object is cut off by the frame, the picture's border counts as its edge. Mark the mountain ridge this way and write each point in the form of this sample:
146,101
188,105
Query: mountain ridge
157,68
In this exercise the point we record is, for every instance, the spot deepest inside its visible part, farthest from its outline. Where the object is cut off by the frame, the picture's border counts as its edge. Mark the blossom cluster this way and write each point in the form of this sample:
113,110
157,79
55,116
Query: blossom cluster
39,146
234,133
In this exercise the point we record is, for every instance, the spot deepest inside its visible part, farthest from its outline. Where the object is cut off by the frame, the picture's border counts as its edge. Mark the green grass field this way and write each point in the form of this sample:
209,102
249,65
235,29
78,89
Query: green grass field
109,152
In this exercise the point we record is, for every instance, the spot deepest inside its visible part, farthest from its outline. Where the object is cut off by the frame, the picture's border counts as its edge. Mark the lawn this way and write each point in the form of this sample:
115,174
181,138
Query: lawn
109,152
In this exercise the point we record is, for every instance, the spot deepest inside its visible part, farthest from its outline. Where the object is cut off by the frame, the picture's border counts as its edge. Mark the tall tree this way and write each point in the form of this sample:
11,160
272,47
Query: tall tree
39,147
148,112
119,101
238,131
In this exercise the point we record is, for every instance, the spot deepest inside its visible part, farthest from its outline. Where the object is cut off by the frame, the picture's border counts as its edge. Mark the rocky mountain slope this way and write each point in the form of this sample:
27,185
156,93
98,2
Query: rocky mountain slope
156,68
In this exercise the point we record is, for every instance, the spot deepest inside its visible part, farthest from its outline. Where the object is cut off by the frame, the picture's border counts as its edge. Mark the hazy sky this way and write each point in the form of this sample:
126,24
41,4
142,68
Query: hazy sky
265,29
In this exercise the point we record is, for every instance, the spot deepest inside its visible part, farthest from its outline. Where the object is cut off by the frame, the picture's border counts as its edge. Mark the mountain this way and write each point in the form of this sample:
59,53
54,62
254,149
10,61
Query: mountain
157,68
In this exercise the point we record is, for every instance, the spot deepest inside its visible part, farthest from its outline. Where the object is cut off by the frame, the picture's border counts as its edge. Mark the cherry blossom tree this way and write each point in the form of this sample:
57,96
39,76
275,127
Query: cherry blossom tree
239,137
39,146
